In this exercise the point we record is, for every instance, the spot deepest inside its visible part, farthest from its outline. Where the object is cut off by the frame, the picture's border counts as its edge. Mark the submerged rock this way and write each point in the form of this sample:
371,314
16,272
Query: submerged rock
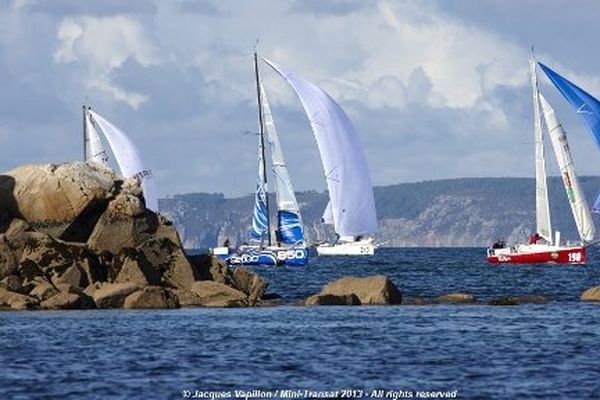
332,300
517,300
456,298
591,294
373,290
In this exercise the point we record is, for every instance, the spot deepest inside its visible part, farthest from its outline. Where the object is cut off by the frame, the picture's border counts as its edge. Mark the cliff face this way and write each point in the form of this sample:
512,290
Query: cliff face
455,213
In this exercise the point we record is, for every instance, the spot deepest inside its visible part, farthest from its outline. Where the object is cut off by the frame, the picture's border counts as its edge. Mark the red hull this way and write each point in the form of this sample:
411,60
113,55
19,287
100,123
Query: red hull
565,255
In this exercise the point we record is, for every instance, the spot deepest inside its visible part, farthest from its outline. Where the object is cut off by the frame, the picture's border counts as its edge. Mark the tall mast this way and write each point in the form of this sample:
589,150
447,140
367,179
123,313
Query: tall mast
85,134
262,145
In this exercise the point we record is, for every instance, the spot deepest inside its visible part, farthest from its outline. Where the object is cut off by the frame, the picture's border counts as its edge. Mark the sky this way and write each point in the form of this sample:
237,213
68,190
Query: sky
435,89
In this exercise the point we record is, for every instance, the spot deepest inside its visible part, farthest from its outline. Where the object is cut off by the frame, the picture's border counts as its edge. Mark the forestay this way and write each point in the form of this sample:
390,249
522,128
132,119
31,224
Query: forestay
344,162
288,213
128,158
542,207
579,206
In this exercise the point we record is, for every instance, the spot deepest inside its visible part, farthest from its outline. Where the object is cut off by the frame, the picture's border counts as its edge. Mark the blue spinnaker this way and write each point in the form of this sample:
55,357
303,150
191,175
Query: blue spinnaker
584,104
260,221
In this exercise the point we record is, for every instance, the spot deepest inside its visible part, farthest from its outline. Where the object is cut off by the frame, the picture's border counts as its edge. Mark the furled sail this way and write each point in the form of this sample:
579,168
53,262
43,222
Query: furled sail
587,106
542,207
128,158
95,149
344,162
289,222
260,218
579,207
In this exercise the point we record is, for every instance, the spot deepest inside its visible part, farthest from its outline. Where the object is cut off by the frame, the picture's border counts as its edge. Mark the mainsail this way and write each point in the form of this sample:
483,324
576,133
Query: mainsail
128,158
94,150
289,223
344,162
260,218
586,105
542,207
579,207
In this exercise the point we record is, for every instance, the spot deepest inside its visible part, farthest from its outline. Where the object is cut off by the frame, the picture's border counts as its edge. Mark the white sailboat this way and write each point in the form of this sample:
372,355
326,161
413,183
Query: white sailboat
126,154
288,246
544,246
351,208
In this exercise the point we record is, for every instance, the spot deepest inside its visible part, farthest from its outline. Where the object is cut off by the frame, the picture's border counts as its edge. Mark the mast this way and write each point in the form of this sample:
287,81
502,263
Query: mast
262,145
542,207
85,133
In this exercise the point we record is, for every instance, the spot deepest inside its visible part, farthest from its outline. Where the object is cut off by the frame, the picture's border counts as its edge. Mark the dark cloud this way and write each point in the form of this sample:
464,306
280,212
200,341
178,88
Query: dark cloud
97,8
328,8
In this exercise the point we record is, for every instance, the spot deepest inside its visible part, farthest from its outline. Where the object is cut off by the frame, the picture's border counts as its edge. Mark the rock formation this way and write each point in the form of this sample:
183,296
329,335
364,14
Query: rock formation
373,290
75,236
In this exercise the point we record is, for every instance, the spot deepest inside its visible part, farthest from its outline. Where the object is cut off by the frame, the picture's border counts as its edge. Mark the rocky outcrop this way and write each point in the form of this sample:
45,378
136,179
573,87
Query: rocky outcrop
374,290
332,300
456,298
591,294
75,236
518,300
215,294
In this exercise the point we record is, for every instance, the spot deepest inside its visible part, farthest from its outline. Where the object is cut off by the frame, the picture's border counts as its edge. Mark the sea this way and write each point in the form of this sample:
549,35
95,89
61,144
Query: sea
529,351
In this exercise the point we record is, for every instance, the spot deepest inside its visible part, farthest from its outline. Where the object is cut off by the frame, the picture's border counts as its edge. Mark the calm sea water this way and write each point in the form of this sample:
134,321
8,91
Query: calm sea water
527,351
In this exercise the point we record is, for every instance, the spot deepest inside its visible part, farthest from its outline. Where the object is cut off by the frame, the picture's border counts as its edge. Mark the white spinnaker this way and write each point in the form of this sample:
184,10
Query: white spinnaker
286,199
344,162
327,214
542,207
95,149
579,206
128,158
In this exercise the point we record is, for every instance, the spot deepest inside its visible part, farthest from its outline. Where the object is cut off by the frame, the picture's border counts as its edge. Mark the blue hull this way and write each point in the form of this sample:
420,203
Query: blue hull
273,257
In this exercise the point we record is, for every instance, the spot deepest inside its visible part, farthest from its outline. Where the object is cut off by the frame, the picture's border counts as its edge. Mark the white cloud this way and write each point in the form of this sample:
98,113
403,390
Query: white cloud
103,44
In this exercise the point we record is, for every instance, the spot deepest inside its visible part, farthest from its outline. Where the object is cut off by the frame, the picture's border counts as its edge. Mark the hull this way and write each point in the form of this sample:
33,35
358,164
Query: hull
251,256
537,254
359,248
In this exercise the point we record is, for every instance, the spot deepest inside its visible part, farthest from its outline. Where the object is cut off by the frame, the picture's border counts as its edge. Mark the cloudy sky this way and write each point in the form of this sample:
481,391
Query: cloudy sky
436,89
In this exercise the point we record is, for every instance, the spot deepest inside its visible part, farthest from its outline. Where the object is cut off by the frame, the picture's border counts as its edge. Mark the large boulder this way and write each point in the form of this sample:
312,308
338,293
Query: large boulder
371,290
151,297
591,294
250,283
51,197
113,295
16,301
214,294
68,301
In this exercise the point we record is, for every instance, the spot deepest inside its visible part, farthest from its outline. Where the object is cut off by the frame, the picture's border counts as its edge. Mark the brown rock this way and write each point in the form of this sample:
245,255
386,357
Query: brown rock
591,294
370,291
113,295
332,300
210,268
137,271
250,283
8,263
456,298
42,289
12,283
187,298
16,301
151,297
517,300
71,275
214,294
68,301
179,272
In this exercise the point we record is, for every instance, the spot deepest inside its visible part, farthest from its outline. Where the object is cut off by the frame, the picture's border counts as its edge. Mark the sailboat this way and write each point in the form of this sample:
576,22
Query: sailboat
543,247
287,246
126,153
351,208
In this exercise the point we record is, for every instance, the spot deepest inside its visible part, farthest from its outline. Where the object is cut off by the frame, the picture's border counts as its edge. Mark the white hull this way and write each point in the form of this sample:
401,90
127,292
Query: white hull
363,247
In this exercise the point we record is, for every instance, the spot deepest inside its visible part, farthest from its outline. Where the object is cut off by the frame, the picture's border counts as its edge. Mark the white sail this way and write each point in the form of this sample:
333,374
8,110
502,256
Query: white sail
128,158
579,206
289,222
542,208
94,148
344,162
327,217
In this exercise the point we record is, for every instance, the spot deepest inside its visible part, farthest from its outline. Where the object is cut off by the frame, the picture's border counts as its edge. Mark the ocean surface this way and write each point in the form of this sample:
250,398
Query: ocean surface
469,351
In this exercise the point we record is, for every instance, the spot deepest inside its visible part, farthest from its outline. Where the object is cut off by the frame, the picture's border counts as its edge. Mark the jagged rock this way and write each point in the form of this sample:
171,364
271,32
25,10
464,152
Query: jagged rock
16,301
187,298
332,300
456,298
68,301
250,283
113,295
71,275
212,269
8,263
50,197
12,283
591,294
138,271
179,272
214,294
42,289
517,300
370,290
151,297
